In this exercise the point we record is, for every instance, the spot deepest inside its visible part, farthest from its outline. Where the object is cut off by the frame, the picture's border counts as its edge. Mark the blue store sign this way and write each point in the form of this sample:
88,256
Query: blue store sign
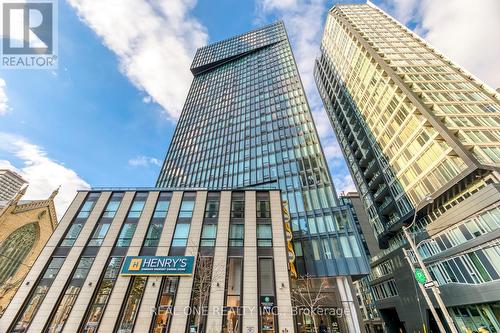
158,265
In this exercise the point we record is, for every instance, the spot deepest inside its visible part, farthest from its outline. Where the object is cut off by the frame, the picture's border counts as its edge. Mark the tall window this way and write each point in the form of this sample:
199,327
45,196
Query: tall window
164,308
14,250
238,208
65,304
156,225
31,306
113,205
128,228
266,295
236,234
212,207
130,308
263,208
78,222
100,232
200,293
187,207
234,278
102,227
208,235
264,235
88,205
101,296
181,234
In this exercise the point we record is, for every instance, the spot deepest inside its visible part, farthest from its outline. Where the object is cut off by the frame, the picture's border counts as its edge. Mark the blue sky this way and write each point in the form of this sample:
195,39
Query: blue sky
106,116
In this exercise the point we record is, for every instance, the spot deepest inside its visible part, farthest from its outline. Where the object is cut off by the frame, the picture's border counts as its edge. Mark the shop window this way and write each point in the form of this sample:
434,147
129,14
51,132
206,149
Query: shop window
130,307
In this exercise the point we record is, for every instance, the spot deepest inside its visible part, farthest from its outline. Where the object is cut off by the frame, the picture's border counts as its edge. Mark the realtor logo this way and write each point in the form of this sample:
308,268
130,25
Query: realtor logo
135,265
29,34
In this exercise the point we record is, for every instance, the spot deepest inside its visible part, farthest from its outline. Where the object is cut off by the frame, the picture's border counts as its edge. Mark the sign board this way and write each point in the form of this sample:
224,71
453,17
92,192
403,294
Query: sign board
158,265
420,276
267,302
430,284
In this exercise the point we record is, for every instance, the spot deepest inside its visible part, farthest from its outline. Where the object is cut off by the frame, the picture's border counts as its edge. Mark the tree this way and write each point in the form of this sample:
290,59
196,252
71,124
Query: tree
306,294
205,273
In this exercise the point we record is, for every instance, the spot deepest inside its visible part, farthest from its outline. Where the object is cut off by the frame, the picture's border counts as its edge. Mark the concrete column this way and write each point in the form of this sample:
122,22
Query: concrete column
117,297
99,265
64,274
280,255
148,304
250,293
216,301
346,295
183,296
40,263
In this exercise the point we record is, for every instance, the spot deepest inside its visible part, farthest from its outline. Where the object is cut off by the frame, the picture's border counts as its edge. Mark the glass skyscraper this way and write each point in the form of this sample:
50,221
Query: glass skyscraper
414,125
246,123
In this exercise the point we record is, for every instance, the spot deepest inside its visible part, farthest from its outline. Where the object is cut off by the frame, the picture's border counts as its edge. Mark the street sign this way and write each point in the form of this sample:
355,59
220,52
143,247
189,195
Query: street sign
420,276
430,284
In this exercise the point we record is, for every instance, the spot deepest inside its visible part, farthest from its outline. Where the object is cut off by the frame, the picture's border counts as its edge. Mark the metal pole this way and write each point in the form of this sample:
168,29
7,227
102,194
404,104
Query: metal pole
434,288
427,299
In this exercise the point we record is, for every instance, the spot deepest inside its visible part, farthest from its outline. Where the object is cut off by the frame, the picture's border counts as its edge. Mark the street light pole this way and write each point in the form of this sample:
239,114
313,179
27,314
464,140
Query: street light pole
434,288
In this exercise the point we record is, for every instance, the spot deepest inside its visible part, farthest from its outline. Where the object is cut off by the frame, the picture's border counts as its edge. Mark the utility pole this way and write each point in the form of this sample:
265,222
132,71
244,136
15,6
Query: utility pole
434,288
427,299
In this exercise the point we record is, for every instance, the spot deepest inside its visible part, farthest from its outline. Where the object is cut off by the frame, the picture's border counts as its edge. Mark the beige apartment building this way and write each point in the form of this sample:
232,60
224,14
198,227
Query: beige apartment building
230,245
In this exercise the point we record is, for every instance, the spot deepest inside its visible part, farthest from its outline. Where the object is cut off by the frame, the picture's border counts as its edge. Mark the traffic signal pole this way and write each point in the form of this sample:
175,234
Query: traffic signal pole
434,288
424,293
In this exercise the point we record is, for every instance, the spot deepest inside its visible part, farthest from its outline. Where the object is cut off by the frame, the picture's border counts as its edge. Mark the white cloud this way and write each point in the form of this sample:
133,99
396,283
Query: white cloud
343,183
4,106
154,41
144,161
463,32
43,174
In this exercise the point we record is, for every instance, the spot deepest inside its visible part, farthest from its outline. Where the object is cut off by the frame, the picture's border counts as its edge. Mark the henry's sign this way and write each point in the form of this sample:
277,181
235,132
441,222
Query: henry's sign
158,265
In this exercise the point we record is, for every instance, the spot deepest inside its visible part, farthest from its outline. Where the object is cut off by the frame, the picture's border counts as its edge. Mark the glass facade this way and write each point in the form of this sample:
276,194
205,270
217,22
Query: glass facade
246,123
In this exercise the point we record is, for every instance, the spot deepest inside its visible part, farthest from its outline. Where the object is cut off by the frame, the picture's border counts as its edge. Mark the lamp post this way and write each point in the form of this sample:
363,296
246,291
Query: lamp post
434,288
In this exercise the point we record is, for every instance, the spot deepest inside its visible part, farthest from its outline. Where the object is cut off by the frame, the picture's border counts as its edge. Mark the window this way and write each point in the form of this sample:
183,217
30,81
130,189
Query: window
162,205
30,308
157,222
165,304
200,293
101,297
126,234
113,205
236,234
208,234
212,208
181,234
137,205
77,224
131,305
187,208
234,277
88,205
153,234
100,232
263,209
65,304
14,250
238,209
72,234
264,235
266,293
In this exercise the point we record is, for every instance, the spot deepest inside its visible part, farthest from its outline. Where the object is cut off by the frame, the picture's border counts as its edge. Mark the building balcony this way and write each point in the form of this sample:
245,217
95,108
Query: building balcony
384,208
382,189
